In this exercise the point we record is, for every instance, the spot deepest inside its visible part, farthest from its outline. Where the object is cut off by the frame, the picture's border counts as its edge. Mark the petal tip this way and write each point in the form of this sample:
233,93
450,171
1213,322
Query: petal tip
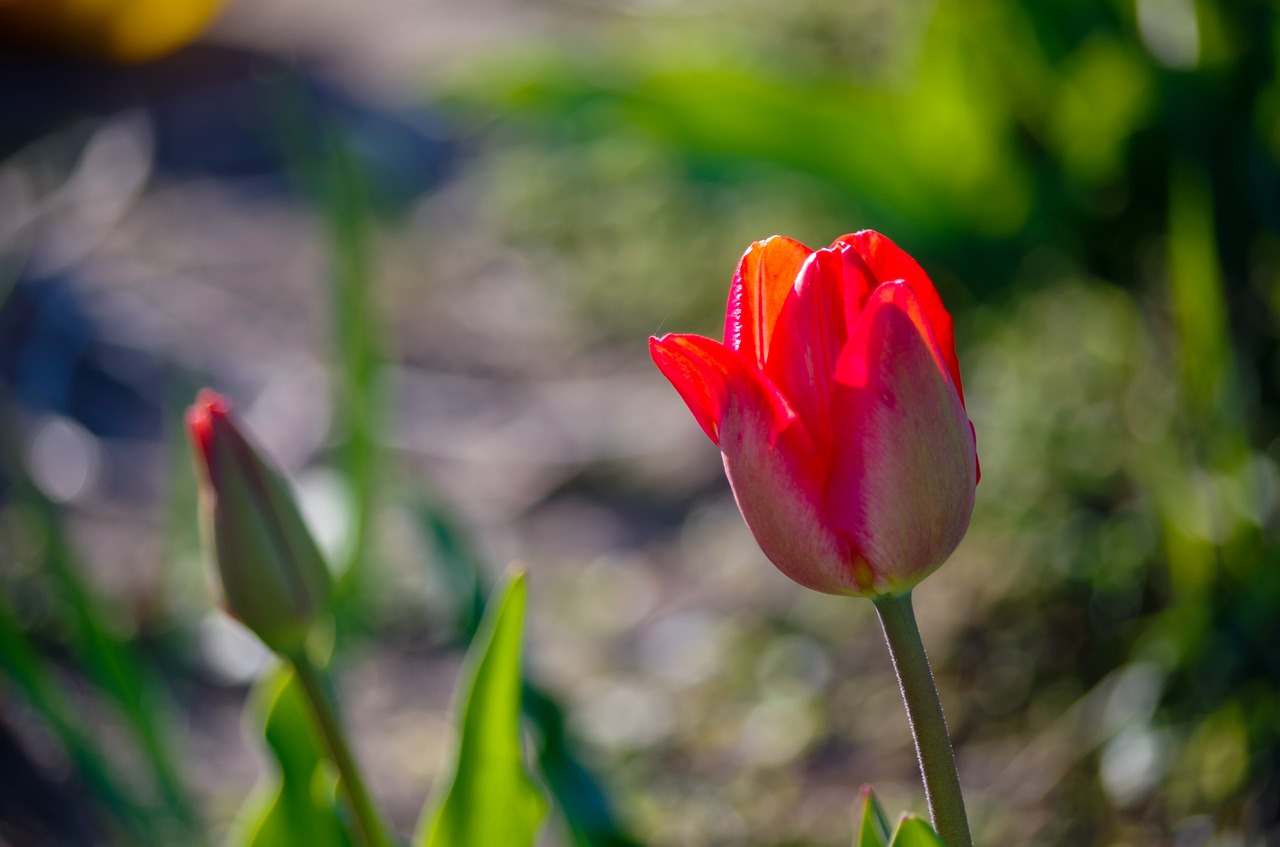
209,408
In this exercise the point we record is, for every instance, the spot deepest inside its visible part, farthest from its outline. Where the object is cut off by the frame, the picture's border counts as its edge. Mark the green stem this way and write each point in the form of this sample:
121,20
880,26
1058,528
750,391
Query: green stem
367,817
924,710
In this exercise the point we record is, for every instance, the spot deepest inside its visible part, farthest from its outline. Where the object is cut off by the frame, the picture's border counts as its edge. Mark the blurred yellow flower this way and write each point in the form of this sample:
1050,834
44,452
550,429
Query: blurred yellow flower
115,30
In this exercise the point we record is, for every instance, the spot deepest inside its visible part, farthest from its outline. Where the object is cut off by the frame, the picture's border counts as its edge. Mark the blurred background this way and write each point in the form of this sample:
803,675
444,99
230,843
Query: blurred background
421,245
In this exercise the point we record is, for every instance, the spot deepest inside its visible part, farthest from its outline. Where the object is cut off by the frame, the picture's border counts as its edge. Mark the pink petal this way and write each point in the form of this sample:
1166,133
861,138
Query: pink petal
763,281
776,491
776,476
902,485
890,262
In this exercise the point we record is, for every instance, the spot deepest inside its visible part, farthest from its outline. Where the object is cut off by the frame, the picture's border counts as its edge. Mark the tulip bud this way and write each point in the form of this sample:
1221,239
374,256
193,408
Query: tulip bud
273,577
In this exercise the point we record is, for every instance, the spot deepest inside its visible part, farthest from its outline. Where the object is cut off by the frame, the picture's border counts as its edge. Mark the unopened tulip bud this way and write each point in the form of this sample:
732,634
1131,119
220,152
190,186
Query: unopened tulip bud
273,577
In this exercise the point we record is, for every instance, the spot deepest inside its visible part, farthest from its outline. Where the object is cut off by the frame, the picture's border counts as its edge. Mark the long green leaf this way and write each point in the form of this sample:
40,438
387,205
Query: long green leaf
325,170
587,811
112,663
491,797
341,196
108,660
23,664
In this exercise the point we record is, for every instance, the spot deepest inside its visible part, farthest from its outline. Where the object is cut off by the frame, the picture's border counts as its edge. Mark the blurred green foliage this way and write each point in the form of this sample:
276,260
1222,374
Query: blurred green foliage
1093,186
75,619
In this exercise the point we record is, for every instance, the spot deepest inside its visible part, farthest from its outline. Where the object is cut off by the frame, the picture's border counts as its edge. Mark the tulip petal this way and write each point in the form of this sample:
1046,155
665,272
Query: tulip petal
774,478
890,262
763,281
811,331
772,463
859,282
902,484
717,384
700,369
711,379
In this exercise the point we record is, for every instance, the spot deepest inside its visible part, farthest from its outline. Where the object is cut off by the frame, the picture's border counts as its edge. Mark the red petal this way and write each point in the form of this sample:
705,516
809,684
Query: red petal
903,478
859,282
200,419
890,262
763,281
811,331
774,468
711,378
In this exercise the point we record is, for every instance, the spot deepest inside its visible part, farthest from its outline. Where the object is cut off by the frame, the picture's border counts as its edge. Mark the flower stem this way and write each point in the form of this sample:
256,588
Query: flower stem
924,711
368,819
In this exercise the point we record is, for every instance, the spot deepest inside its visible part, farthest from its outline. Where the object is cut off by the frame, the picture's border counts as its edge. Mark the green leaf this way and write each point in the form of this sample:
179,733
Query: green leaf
326,170
456,562
114,665
22,663
873,825
914,832
490,798
577,791
588,813
295,805
338,189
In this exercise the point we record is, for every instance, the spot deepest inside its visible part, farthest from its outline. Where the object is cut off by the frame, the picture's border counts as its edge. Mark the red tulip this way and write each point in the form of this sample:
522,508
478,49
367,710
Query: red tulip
273,577
836,402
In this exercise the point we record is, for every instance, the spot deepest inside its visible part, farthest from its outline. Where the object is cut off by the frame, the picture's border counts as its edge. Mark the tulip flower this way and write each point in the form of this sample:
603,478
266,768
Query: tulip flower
273,577
836,402
837,406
